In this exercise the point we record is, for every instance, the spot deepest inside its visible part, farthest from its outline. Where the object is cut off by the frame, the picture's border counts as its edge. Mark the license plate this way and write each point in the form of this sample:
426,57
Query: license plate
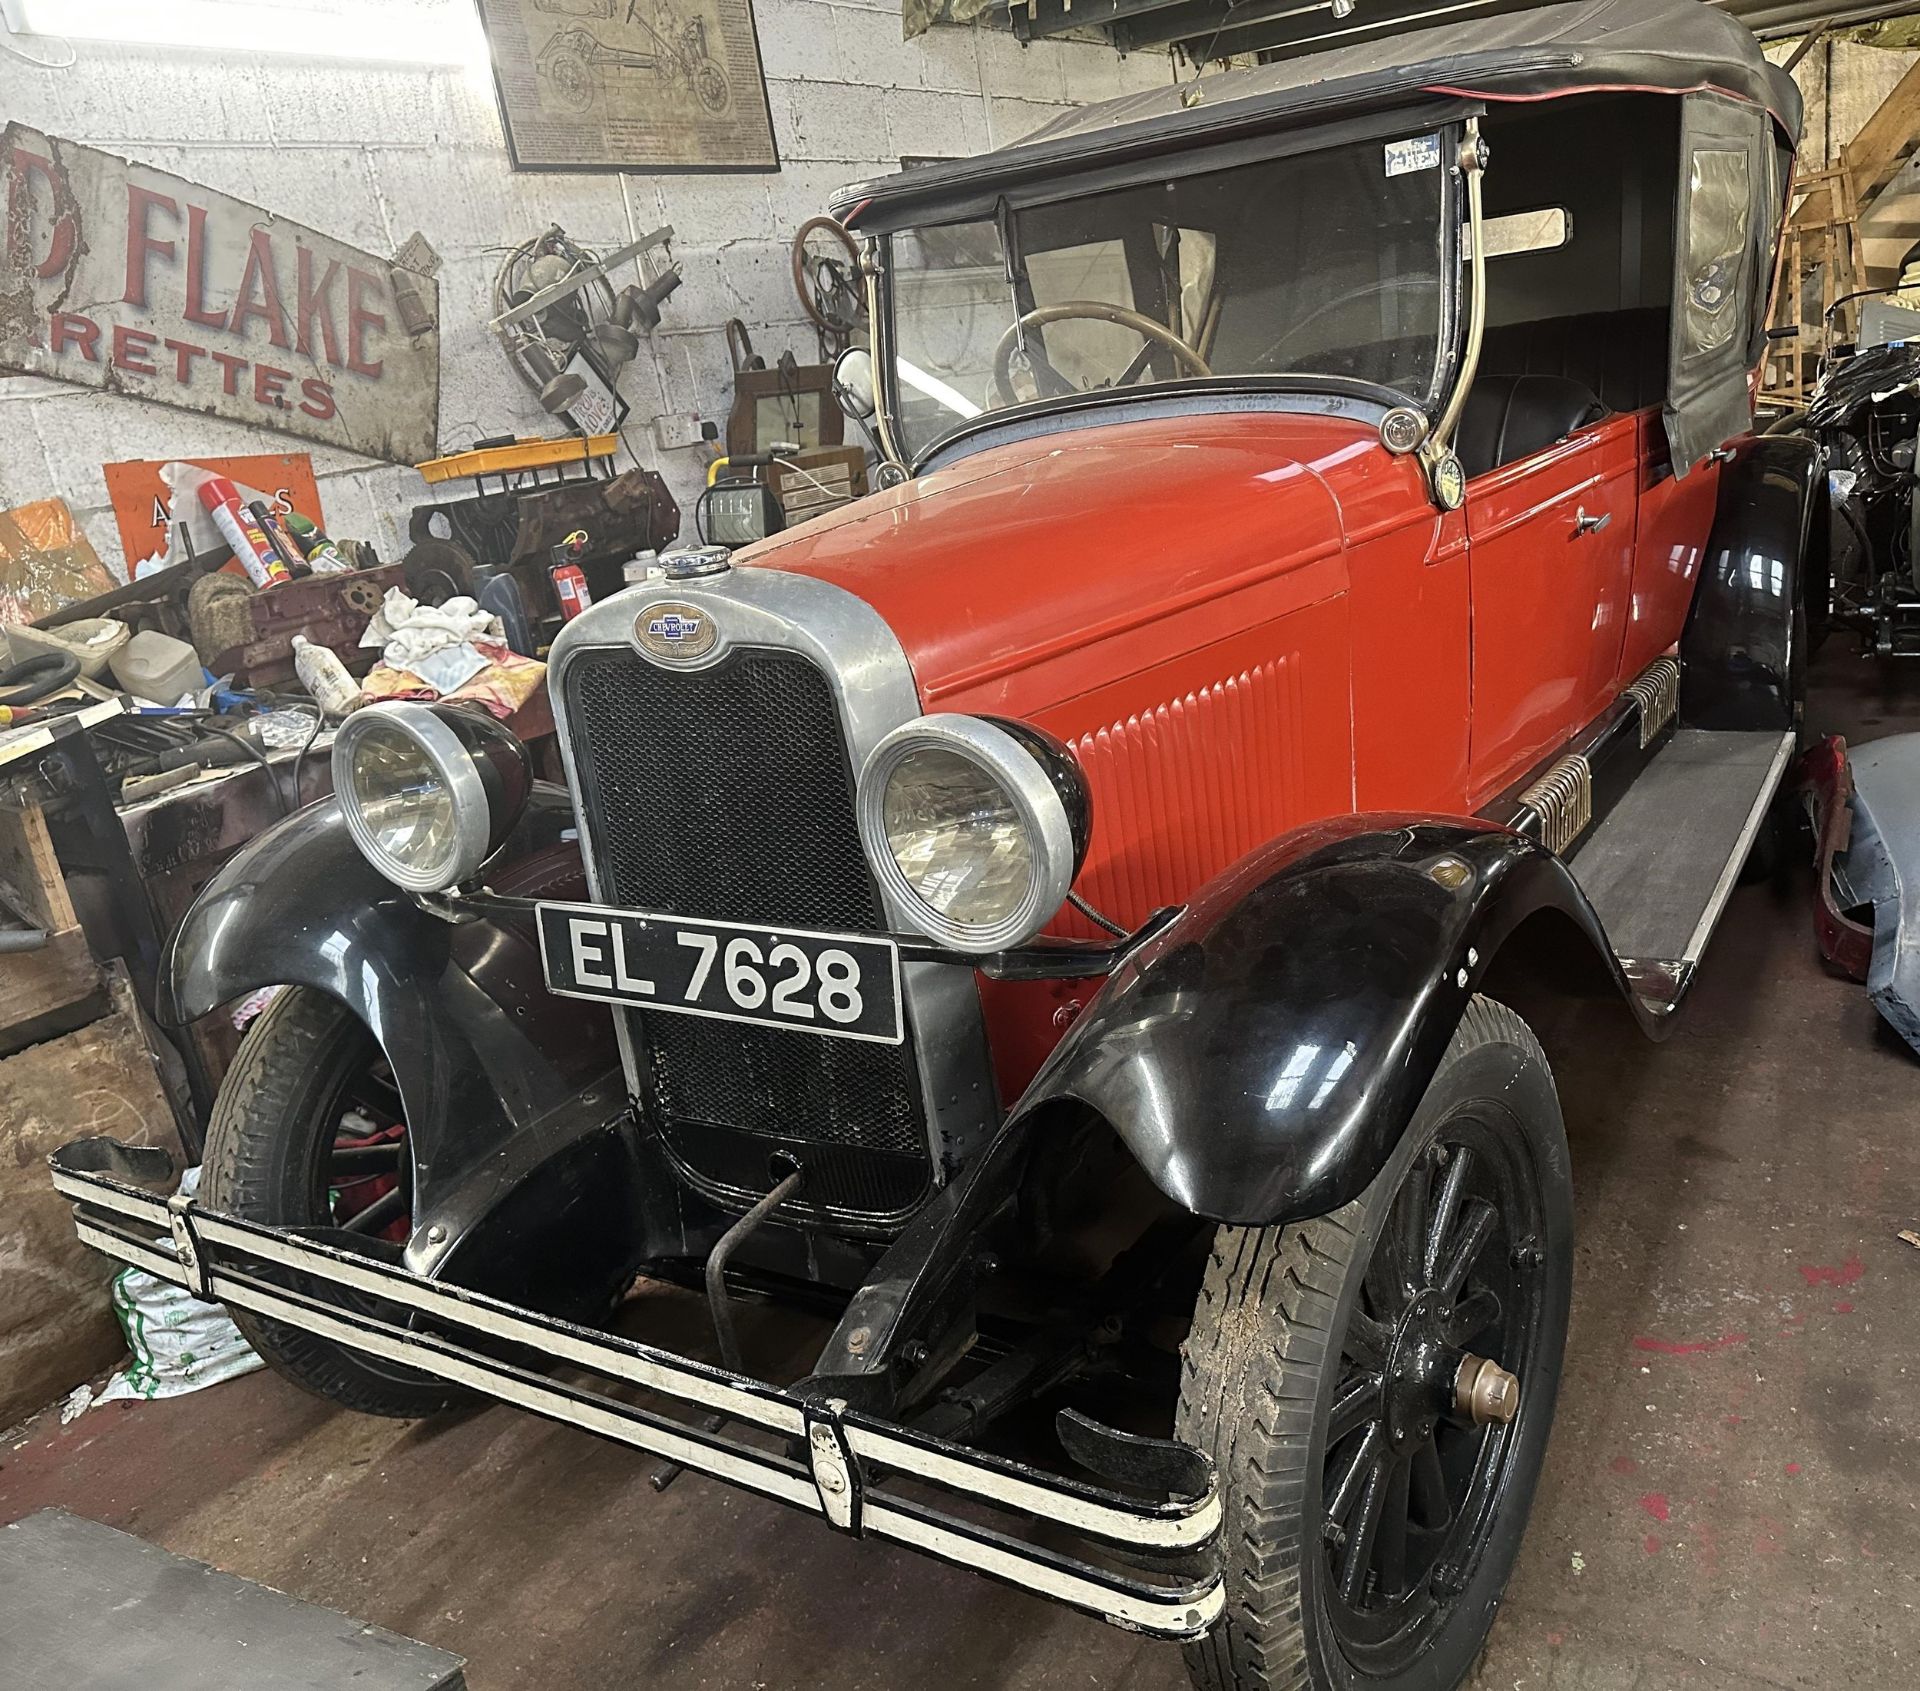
846,986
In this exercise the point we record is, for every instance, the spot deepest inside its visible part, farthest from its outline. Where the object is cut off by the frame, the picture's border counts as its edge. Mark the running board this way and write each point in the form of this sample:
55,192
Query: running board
1661,866
1159,1573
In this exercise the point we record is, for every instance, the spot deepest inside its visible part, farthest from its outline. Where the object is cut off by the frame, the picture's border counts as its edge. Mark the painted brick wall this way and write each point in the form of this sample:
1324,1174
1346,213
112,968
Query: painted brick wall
371,153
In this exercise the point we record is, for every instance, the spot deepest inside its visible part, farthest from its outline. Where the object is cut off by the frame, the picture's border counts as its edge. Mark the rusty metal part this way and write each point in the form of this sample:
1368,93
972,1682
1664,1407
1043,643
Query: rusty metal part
1485,1391
1825,773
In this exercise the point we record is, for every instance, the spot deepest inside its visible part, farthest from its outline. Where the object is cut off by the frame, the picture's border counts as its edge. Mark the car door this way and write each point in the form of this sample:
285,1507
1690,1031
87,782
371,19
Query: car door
1676,515
1550,565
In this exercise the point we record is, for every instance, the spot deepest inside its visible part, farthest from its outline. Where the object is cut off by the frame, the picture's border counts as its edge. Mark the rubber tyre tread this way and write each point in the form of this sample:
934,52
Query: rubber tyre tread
255,1167
1251,1378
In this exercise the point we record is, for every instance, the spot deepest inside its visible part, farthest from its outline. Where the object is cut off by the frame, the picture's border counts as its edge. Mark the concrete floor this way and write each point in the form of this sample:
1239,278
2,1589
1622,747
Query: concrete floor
1728,1502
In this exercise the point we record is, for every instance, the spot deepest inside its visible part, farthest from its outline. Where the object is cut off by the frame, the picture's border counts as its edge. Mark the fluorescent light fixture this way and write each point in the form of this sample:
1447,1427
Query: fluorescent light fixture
935,389
440,32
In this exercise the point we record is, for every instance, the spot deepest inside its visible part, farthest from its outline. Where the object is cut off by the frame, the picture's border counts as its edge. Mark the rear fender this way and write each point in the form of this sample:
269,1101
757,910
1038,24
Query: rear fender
482,1054
1745,646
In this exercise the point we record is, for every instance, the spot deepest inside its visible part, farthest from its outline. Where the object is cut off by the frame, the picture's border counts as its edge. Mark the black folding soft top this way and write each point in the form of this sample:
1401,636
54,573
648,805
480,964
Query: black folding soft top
1664,46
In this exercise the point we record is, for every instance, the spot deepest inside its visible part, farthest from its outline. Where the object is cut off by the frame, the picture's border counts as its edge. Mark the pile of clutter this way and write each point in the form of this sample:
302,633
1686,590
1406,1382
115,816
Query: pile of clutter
251,615
455,650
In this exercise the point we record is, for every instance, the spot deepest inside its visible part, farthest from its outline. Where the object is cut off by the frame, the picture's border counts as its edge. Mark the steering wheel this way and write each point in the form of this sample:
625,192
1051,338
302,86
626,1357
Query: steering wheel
1099,311
1390,285
828,283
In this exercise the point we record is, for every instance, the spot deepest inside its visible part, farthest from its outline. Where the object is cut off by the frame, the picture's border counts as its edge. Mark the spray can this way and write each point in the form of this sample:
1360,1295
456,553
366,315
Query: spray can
570,588
269,522
264,566
323,557
325,677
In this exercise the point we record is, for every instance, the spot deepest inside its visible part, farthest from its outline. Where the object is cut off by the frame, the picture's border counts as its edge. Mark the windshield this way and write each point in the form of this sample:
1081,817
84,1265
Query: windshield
1326,264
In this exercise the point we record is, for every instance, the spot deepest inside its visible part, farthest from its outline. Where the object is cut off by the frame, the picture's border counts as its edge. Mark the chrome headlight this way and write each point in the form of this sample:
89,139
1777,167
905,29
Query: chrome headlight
429,795
977,828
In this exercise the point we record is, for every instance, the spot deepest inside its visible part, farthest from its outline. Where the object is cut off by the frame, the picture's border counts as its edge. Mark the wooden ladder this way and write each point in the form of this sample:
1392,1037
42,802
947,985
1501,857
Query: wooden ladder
1818,265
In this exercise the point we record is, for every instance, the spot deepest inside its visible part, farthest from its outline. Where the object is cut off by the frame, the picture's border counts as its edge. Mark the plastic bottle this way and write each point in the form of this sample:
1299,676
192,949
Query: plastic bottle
325,677
264,566
156,667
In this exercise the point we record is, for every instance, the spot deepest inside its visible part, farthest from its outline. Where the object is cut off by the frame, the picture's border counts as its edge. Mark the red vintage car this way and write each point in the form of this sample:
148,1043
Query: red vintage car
1070,916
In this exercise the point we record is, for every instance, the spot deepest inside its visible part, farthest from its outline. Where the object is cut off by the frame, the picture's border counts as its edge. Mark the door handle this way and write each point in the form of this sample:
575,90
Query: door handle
1585,524
1719,455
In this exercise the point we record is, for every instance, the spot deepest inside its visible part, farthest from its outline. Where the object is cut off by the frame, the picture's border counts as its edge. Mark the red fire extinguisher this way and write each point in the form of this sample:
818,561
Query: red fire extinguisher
569,579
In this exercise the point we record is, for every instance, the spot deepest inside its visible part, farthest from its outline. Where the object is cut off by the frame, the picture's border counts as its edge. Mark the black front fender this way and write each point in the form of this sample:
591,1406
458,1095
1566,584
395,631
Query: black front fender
480,1051
1262,1055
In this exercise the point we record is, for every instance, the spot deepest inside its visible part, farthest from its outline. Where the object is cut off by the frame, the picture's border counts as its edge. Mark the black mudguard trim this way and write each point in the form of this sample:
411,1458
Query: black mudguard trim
1262,1056
482,1054
1744,650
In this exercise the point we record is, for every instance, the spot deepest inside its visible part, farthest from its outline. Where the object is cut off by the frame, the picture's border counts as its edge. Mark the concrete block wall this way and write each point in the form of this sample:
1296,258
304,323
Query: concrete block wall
369,153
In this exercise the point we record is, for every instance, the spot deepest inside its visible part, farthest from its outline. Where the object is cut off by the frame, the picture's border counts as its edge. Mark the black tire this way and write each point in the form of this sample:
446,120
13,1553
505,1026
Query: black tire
1286,1319
273,1130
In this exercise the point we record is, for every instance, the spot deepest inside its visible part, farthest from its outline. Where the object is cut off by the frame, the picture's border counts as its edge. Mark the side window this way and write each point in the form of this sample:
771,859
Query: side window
1715,328
1712,305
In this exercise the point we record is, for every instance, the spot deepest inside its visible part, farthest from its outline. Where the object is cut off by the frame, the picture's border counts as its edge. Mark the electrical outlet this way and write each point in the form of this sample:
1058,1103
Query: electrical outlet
677,430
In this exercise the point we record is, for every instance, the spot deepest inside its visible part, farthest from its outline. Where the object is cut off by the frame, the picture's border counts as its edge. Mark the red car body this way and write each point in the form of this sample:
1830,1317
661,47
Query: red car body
1173,794
1321,640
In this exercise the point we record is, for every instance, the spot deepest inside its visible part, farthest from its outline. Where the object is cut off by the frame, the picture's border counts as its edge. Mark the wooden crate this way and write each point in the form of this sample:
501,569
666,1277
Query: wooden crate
56,1324
59,986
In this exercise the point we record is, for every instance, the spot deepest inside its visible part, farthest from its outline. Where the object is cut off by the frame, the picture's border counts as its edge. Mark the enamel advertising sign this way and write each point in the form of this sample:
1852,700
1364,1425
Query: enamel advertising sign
127,279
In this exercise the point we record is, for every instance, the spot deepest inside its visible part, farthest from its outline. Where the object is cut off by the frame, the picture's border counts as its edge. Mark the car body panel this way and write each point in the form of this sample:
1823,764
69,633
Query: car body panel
1549,601
1881,868
1242,623
1744,647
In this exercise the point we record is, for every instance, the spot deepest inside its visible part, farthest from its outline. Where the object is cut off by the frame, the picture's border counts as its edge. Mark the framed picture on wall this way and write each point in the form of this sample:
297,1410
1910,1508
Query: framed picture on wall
640,85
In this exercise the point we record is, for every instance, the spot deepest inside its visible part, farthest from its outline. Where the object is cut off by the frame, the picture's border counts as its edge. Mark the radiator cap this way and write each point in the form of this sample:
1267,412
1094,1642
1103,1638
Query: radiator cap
684,563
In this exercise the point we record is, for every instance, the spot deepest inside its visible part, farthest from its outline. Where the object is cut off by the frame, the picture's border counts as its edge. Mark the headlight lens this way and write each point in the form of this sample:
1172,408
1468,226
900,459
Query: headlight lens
427,797
957,837
966,824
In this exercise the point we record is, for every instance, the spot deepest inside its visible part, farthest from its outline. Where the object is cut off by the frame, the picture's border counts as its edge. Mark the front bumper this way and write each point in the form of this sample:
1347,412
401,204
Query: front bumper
1162,1574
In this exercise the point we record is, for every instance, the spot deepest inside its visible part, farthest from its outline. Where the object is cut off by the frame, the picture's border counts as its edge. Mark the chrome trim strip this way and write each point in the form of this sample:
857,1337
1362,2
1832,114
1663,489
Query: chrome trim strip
1179,1528
1188,1615
620,1423
619,1359
1176,1610
873,685
1657,692
1723,888
1562,800
1168,1527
